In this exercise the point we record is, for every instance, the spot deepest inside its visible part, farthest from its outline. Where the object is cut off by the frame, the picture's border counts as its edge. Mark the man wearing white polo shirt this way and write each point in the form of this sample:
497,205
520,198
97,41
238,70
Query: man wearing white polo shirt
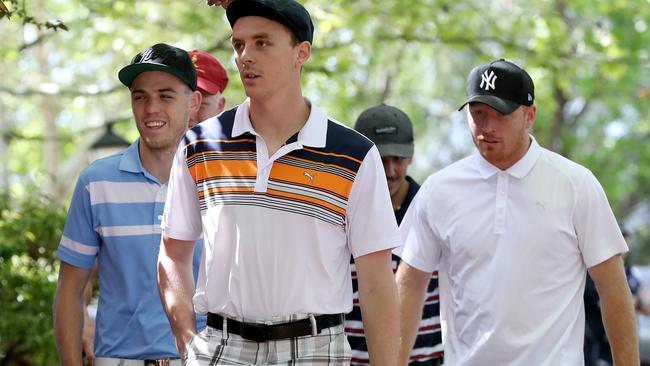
283,196
513,231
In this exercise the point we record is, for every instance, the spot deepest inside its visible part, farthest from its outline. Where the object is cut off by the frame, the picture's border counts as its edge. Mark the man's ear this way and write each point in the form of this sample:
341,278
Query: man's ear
222,105
531,114
304,52
195,101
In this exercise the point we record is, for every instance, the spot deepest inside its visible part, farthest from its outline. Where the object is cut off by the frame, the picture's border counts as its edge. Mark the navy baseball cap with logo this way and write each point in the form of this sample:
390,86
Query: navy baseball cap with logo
287,12
500,84
388,128
161,57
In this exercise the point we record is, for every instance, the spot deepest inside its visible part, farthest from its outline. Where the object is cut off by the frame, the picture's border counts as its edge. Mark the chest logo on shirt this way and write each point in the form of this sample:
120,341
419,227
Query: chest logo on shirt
310,176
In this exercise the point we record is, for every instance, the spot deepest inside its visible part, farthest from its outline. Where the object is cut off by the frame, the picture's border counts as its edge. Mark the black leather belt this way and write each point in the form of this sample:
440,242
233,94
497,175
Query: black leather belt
262,332
158,362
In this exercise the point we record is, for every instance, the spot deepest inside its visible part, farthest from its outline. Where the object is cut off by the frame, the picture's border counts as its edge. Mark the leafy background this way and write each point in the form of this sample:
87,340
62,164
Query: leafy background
59,60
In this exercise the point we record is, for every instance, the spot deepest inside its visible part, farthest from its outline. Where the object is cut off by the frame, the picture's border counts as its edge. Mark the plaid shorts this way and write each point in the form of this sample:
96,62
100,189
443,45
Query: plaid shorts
214,347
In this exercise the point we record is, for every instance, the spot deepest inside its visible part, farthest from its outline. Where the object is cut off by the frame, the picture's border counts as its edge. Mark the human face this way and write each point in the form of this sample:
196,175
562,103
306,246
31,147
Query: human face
211,105
501,139
395,168
161,105
268,60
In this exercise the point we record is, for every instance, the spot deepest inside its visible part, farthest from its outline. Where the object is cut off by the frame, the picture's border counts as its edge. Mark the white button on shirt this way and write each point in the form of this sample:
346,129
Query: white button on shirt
512,248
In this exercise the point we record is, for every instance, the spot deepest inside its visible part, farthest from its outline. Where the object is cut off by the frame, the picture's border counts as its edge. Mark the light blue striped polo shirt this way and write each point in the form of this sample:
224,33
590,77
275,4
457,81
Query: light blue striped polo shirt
115,216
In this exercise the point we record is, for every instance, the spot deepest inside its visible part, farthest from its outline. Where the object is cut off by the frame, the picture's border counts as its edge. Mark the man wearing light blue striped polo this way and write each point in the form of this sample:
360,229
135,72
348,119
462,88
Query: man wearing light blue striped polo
115,217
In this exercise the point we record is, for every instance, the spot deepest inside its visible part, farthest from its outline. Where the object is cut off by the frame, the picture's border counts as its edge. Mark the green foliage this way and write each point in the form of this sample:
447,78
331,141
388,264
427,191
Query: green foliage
29,234
21,12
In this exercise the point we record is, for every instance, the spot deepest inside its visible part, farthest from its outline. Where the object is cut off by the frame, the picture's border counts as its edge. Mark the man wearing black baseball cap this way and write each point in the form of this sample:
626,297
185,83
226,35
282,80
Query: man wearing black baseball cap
284,196
115,217
391,130
513,231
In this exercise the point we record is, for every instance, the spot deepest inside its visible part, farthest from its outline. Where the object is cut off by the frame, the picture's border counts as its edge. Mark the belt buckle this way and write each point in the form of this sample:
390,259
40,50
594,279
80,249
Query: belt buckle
158,362
314,326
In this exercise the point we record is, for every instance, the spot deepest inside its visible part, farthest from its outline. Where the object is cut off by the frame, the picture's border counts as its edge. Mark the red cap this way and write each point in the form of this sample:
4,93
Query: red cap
211,76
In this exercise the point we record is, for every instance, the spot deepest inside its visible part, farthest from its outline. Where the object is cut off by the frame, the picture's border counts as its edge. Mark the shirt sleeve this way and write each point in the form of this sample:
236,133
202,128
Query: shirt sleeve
371,224
599,236
80,241
182,215
421,246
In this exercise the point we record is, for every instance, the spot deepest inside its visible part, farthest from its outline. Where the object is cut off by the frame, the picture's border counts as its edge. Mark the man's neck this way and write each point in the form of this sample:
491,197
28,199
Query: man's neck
277,119
398,198
157,162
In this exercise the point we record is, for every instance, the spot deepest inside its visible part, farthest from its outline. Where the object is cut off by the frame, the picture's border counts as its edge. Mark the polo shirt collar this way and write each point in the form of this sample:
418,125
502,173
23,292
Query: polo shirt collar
130,161
313,133
519,170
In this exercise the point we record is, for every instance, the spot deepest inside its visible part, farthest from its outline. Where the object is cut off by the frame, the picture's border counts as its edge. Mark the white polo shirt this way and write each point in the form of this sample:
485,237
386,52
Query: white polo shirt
512,248
278,230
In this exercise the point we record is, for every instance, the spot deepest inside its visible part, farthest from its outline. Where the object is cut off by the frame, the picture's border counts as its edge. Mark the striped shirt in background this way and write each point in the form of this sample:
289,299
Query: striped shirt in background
428,343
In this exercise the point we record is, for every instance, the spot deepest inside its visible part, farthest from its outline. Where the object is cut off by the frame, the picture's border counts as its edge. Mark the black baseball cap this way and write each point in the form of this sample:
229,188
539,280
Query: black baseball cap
388,128
161,57
500,84
287,12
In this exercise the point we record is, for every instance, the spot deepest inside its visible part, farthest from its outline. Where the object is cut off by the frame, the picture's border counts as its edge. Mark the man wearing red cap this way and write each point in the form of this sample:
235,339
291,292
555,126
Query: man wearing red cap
211,80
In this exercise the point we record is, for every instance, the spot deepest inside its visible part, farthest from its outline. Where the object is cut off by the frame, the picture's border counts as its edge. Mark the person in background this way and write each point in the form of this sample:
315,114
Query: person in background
391,130
513,230
283,195
211,81
597,349
115,216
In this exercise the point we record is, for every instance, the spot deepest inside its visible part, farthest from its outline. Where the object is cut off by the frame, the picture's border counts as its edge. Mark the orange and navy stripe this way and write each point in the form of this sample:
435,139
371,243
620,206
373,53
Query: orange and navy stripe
314,182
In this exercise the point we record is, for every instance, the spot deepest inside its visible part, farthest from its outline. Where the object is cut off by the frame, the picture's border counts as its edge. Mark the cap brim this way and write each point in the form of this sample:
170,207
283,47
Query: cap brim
130,72
399,150
503,106
207,86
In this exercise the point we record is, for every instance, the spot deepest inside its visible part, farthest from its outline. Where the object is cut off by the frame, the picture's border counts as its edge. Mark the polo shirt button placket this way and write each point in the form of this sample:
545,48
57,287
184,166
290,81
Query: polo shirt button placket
501,203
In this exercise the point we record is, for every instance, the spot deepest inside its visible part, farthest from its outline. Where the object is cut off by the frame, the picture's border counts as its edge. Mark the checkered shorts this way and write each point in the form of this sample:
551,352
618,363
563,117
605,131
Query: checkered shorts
213,347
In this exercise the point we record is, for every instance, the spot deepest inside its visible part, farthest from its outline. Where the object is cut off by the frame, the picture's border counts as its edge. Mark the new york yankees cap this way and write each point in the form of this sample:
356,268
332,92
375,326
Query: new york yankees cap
211,77
287,12
500,84
160,57
388,128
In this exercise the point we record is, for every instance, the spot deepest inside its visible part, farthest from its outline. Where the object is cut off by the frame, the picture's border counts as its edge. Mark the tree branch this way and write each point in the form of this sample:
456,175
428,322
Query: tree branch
64,92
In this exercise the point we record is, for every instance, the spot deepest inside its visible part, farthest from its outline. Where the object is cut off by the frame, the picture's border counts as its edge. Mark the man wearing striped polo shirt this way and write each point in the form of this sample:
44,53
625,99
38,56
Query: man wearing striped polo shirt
391,130
115,217
283,195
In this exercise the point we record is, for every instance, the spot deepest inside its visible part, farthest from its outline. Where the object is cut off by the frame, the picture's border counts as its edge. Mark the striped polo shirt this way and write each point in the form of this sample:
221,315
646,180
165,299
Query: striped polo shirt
115,216
278,230
428,343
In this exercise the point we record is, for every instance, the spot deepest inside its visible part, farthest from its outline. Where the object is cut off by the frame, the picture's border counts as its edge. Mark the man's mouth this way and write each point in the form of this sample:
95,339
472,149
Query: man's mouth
154,124
486,139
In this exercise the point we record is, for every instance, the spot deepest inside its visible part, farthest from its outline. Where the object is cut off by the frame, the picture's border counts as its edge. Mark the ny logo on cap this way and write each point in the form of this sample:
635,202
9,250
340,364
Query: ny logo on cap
488,80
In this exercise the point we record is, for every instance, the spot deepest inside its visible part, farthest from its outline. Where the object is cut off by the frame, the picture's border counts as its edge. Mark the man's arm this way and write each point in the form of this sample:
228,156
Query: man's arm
411,286
176,284
69,312
378,300
617,310
88,335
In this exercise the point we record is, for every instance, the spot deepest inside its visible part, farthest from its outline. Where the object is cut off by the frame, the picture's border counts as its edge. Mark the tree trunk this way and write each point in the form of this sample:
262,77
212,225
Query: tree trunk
50,138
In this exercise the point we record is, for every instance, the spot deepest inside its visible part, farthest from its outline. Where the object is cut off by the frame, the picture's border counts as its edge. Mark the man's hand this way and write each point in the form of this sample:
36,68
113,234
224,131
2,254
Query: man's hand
87,339
223,3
